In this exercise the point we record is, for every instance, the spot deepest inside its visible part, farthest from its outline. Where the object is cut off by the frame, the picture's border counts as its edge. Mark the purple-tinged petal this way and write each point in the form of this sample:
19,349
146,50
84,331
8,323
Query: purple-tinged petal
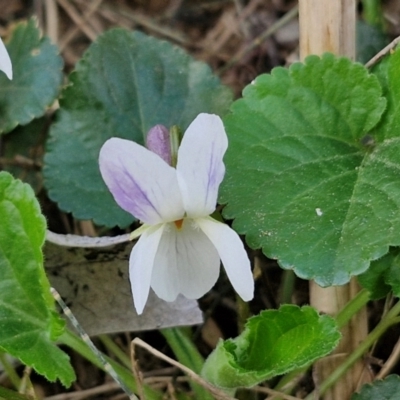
141,264
158,142
200,166
5,61
233,255
186,263
141,182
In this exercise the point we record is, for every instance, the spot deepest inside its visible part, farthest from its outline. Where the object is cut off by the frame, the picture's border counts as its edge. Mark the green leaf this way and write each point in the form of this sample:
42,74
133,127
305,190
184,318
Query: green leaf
125,84
22,151
7,394
305,181
37,76
374,279
273,343
28,321
387,389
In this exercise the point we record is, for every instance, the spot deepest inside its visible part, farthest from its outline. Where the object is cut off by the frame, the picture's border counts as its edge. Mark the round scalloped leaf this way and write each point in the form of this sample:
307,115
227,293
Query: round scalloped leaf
28,321
37,76
125,84
387,389
305,181
273,343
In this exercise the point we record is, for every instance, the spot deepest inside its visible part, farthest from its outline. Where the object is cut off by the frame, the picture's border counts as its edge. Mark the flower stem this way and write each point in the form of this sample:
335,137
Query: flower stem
8,368
352,307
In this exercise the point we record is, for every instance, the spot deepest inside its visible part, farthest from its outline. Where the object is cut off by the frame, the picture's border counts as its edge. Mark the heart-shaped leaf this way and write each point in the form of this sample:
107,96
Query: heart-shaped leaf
37,76
306,181
125,84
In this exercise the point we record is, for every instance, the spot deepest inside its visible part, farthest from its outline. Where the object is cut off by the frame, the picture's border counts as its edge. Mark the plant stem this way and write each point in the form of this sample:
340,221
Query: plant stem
243,311
115,349
352,307
8,368
286,289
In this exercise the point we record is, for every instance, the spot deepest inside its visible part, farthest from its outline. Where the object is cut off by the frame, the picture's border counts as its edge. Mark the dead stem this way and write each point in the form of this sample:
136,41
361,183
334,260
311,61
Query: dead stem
70,34
259,39
377,57
84,394
218,393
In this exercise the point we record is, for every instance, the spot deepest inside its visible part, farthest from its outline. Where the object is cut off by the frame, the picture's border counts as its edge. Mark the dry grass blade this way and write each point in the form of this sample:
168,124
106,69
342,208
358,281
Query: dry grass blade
92,8
79,21
259,39
84,394
274,393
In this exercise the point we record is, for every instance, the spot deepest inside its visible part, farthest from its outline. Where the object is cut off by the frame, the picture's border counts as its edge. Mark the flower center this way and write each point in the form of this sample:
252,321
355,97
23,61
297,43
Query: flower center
178,223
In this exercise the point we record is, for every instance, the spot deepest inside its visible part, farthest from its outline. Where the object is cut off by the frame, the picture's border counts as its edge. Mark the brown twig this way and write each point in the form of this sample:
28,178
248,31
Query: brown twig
79,21
146,22
92,8
218,393
274,393
137,374
391,362
84,394
377,57
259,39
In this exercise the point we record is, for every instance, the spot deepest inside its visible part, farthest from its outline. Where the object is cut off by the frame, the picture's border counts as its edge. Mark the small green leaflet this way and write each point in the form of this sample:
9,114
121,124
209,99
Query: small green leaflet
125,84
29,323
309,179
273,343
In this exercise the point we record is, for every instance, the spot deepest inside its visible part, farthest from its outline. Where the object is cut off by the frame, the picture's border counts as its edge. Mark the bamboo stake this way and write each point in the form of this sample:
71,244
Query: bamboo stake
329,26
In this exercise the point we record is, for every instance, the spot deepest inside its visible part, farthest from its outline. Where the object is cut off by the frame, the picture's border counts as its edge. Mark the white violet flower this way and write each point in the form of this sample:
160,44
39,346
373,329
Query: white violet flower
5,62
180,245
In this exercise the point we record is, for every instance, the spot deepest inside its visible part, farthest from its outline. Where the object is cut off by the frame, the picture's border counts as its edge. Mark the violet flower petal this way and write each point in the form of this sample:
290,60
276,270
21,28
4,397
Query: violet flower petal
200,166
141,182
186,263
5,61
141,262
233,255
